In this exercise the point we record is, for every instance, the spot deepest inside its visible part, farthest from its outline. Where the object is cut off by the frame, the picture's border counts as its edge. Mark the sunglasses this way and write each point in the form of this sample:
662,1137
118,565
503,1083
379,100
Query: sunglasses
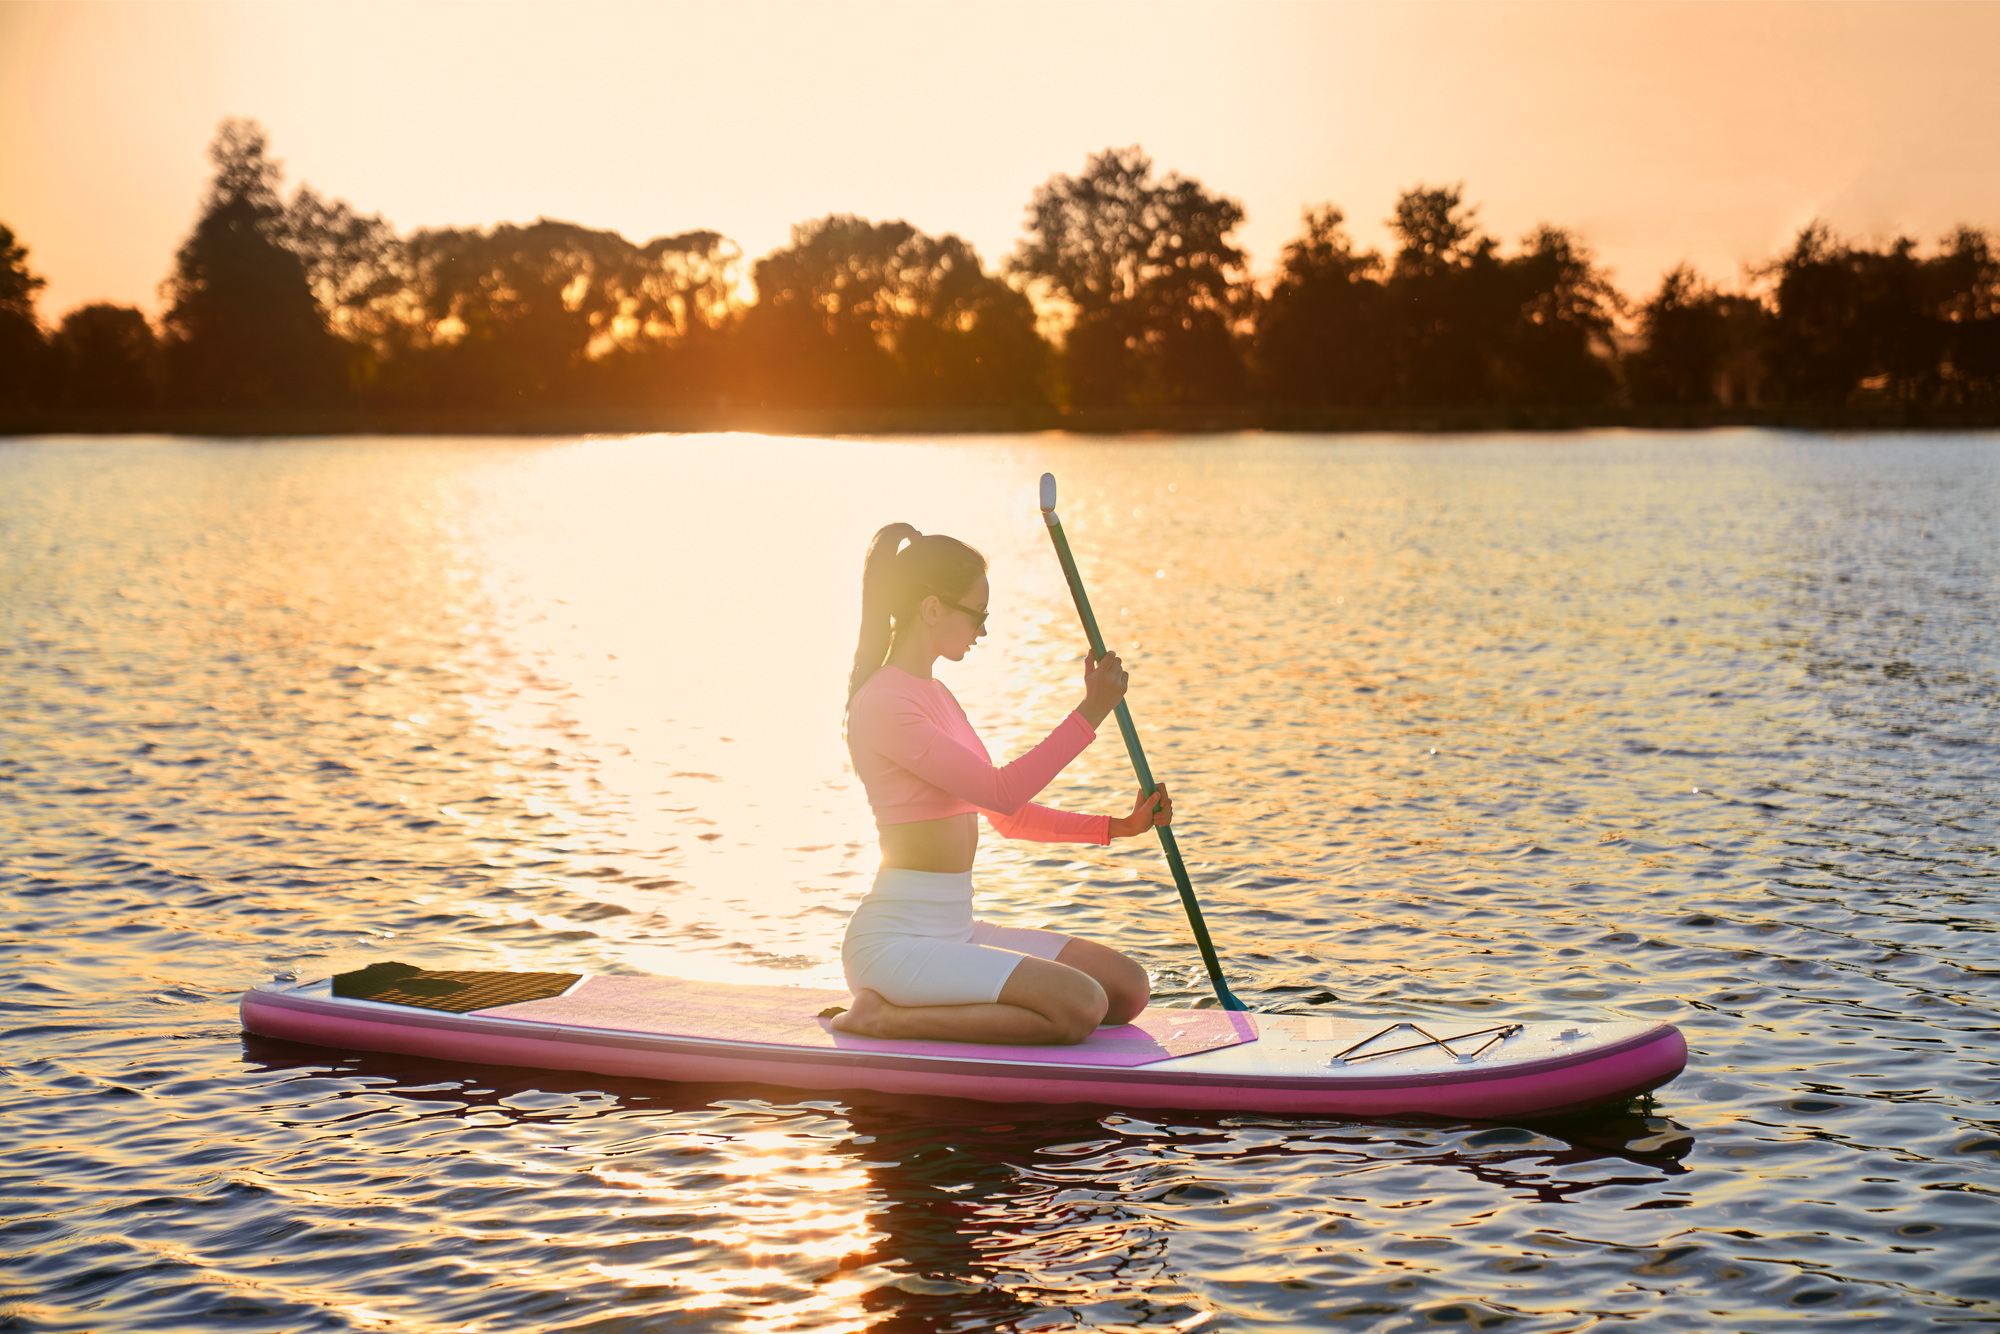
978,617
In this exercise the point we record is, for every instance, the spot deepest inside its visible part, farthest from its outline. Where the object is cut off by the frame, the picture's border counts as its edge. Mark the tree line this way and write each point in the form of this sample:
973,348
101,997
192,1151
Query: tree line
1126,292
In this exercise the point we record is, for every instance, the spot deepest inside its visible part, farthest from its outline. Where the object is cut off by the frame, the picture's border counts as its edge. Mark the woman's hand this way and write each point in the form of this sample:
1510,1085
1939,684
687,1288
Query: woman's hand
1103,686
1151,810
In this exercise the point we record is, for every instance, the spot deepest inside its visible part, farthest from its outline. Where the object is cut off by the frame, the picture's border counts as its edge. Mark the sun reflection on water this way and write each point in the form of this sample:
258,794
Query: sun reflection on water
791,1211
676,642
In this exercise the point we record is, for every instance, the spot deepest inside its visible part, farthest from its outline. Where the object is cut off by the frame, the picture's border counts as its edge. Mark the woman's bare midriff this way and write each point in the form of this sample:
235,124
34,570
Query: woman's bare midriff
945,844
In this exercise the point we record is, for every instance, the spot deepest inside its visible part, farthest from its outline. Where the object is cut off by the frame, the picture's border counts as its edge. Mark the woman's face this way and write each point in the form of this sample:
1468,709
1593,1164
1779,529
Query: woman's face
959,628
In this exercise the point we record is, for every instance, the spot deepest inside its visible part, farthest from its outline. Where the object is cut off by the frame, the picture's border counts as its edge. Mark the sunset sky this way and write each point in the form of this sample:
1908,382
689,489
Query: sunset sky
1660,131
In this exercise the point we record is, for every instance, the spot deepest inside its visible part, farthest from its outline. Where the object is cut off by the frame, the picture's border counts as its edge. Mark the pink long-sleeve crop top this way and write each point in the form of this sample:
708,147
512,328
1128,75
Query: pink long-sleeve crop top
919,759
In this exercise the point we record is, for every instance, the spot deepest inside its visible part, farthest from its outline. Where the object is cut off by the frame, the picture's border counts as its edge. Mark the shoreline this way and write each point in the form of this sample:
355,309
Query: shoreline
247,423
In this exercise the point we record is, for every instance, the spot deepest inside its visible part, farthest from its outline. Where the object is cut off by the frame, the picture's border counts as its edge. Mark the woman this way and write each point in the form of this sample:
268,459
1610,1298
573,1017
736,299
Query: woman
918,963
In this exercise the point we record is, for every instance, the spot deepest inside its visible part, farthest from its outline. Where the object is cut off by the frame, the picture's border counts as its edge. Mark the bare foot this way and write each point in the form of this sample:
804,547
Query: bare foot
865,1017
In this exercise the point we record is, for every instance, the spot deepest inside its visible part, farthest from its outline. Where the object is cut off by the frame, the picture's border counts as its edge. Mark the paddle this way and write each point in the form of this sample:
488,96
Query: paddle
1132,748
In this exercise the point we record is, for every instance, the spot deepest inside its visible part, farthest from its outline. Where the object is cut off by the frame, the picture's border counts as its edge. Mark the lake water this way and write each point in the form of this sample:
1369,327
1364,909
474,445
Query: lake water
1698,728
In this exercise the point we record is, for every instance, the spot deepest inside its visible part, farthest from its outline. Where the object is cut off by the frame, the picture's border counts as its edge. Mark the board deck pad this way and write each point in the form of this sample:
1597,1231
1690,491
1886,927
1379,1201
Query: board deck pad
788,1016
456,991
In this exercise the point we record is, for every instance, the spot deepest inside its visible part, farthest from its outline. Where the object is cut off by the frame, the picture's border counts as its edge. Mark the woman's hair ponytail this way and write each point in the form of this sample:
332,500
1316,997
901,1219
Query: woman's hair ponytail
878,597
895,579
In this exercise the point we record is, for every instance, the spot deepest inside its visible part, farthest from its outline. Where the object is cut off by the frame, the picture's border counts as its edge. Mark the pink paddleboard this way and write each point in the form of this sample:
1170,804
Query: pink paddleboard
1349,1065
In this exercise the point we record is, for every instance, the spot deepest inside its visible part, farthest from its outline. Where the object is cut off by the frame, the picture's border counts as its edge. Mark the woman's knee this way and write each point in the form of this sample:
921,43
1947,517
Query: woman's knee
1127,988
1083,1010
1129,992
1076,1006
1071,1000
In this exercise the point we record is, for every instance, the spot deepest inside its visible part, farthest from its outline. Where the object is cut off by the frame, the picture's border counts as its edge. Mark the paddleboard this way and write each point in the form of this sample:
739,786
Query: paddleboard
1346,1064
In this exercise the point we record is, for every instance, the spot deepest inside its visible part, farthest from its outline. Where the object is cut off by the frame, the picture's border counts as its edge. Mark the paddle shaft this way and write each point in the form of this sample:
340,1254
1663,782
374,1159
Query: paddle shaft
1143,771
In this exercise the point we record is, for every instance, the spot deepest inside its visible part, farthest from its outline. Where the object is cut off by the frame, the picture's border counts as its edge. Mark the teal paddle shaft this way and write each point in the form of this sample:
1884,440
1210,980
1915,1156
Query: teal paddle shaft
1133,749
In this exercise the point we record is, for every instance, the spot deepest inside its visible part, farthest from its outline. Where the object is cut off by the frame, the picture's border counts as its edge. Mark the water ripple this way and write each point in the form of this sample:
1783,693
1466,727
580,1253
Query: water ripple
1689,727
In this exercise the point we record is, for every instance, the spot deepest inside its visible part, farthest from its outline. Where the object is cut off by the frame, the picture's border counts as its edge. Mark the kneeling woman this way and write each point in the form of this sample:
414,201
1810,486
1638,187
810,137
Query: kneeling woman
919,964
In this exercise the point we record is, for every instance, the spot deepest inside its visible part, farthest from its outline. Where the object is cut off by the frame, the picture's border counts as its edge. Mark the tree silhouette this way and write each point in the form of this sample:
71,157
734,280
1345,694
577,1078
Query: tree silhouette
548,314
24,352
1147,275
858,313
312,304
963,338
825,313
110,358
1437,230
243,329
1849,322
1682,328
1448,303
680,300
352,265
506,316
1558,347
1320,332
1962,289
1466,325
1698,346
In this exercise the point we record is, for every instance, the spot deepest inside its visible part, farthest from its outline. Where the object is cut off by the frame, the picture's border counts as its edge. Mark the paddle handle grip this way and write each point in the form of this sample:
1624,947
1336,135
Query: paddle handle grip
1168,844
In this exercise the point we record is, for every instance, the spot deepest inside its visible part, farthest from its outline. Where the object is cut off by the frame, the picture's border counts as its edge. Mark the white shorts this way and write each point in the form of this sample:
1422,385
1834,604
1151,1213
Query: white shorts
914,941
